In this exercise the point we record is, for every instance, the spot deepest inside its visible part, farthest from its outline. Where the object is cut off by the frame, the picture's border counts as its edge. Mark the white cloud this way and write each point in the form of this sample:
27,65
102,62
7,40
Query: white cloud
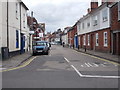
58,13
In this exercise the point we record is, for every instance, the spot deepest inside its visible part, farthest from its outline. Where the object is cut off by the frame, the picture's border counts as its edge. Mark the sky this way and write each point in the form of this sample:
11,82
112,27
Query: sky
57,13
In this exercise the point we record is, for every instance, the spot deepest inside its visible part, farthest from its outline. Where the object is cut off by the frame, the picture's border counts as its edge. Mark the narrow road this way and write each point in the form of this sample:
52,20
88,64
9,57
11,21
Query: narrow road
63,68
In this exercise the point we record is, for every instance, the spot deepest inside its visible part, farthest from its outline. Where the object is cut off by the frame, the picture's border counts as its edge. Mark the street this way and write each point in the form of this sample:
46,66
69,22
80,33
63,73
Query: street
63,68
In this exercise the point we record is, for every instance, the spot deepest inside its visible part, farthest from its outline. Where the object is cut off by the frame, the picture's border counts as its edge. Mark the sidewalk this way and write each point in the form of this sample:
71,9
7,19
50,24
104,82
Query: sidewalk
107,56
15,61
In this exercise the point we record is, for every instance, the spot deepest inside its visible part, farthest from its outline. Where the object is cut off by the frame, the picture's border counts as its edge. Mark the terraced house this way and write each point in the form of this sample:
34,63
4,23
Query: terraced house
14,28
94,29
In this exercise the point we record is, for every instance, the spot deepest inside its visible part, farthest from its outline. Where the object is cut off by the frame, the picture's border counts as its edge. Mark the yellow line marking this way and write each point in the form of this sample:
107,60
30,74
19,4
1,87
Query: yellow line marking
24,65
101,59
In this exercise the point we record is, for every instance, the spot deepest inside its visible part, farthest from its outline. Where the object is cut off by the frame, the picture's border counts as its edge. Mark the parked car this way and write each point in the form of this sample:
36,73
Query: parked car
41,47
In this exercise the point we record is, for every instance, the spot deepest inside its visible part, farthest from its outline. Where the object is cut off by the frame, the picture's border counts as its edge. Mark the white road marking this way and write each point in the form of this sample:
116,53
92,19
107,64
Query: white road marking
76,71
90,65
87,65
67,60
90,76
2,68
96,65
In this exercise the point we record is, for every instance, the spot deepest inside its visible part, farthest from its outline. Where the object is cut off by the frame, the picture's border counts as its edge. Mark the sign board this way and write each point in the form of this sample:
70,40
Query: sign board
31,32
40,34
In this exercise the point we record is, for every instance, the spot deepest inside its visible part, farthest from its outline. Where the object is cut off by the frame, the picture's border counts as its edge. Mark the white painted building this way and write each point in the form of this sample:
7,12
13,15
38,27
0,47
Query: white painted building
94,29
15,32
65,36
0,26
96,20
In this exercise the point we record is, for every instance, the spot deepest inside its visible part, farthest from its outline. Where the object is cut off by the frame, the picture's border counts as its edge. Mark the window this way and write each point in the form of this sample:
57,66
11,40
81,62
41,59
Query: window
83,26
23,20
16,10
88,40
17,39
84,40
105,39
119,10
97,43
104,15
88,24
95,20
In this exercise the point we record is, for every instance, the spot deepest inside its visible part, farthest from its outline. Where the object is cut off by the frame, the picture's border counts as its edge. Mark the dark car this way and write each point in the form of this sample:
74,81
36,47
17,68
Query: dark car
41,47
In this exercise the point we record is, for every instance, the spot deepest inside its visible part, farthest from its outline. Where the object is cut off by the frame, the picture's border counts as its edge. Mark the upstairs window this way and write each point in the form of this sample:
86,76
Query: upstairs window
23,20
119,10
83,26
88,24
16,10
95,20
104,15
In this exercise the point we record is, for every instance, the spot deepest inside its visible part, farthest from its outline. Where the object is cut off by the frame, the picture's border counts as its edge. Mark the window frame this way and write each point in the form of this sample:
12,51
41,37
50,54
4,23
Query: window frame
84,40
105,39
17,10
104,15
95,20
119,11
88,39
97,39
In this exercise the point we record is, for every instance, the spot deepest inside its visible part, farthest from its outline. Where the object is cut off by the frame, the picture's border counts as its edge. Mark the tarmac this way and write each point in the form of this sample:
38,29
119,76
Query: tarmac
19,59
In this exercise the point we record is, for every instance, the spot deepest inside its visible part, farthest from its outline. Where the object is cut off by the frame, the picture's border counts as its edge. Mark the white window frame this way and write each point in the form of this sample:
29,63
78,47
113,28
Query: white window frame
97,39
83,25
17,10
88,40
84,40
119,10
24,16
105,15
95,20
105,39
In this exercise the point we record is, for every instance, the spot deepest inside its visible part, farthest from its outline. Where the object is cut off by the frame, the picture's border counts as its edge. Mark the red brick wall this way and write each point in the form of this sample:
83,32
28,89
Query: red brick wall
115,25
92,45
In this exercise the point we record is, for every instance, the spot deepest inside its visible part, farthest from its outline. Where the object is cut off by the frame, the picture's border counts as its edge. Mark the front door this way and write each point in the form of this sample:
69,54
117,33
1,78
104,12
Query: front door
22,43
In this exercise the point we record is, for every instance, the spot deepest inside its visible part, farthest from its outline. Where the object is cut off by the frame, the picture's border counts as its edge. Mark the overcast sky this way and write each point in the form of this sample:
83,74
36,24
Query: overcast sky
58,13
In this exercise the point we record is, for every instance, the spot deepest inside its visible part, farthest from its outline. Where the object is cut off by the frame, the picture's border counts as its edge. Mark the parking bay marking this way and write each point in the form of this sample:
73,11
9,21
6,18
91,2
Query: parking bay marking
90,76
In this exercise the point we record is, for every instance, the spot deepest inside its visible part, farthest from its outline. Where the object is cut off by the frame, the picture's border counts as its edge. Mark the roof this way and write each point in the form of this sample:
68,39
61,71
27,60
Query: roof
24,5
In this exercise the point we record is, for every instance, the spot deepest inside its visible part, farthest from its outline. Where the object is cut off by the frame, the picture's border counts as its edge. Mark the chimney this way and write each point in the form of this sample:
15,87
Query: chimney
88,10
94,5
108,1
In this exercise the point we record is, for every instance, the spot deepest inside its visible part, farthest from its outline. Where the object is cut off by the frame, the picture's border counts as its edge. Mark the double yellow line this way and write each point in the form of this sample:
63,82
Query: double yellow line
23,65
102,59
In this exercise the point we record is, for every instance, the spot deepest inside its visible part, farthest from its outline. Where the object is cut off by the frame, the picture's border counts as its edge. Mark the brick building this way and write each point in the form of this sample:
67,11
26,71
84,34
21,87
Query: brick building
71,35
115,28
94,28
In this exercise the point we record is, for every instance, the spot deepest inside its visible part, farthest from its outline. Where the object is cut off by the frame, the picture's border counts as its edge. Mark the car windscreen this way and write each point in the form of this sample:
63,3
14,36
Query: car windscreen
39,44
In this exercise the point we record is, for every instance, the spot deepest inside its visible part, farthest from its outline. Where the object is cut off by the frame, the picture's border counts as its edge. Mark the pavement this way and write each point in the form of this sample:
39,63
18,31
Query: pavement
108,56
15,61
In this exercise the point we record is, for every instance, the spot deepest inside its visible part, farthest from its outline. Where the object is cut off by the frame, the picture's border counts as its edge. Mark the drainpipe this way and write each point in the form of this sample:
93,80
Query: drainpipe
7,30
20,29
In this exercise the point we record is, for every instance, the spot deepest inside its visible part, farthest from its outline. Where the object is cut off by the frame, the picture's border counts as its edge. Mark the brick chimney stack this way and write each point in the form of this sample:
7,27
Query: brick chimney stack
108,1
94,5
88,10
